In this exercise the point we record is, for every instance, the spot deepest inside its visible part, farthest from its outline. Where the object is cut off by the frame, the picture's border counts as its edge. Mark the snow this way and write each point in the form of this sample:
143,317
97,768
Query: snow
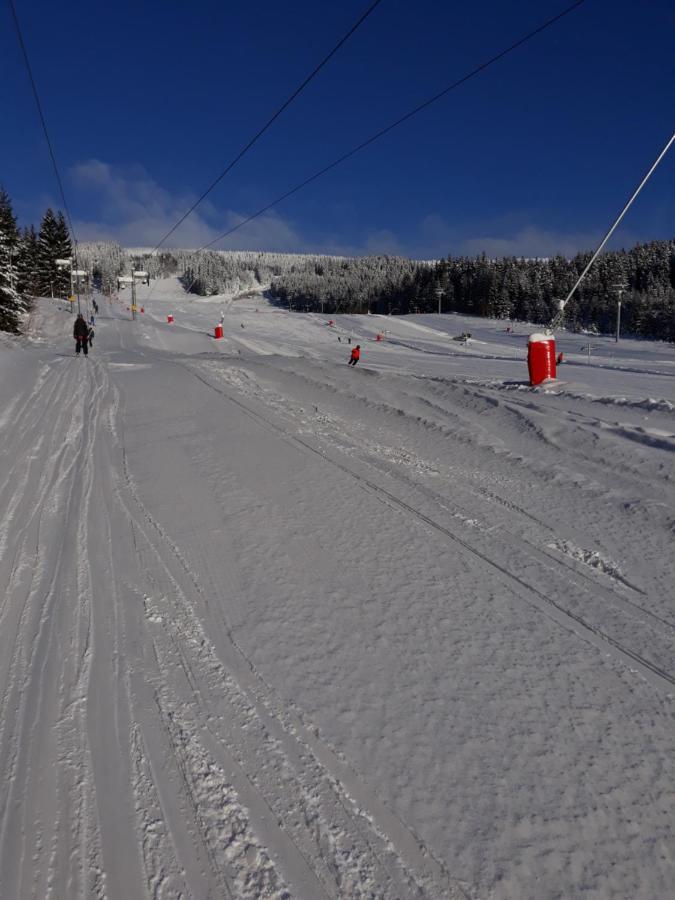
274,627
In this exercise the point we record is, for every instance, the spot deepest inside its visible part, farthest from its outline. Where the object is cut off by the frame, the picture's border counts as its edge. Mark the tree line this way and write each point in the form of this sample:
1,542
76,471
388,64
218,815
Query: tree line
28,262
509,288
519,289
527,290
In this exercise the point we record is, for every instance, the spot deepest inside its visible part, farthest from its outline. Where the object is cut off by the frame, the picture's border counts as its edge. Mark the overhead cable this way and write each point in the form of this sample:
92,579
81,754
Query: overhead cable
404,118
26,60
270,121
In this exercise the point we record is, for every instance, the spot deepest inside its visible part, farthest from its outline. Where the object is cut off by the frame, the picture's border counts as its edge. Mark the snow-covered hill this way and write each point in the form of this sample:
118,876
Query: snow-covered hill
275,627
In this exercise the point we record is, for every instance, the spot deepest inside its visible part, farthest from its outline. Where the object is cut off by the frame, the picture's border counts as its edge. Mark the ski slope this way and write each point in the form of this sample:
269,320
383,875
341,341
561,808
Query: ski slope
271,627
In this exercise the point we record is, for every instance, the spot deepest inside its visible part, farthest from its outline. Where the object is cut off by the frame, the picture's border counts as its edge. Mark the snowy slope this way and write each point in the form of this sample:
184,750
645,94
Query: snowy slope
273,627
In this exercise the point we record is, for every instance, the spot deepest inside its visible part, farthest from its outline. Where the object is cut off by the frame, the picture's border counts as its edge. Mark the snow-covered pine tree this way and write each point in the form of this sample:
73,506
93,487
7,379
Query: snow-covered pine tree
8,220
54,243
27,263
11,304
105,260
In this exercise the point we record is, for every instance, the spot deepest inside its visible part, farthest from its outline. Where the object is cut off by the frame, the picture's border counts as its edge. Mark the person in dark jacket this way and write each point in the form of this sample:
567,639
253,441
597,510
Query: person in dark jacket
81,334
356,355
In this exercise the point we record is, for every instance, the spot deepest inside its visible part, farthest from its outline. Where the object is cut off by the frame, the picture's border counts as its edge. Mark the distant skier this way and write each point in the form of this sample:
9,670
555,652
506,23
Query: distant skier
356,355
91,336
81,334
92,320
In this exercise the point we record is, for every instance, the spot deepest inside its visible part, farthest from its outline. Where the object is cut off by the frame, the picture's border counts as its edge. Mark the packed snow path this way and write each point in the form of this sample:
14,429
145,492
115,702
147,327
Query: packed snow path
273,628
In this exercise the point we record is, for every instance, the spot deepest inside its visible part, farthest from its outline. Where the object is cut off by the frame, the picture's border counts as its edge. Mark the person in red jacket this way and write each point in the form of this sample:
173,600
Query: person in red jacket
356,356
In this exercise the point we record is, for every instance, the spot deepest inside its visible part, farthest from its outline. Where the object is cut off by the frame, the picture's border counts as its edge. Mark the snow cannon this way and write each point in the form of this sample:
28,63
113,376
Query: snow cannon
541,358
218,331
169,318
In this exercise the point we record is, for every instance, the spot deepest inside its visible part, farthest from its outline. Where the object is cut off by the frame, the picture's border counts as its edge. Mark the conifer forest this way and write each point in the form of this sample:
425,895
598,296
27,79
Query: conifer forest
512,288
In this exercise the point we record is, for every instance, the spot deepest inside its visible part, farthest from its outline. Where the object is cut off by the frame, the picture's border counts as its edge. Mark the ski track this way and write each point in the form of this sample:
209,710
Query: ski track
144,748
334,840
659,675
124,734
407,466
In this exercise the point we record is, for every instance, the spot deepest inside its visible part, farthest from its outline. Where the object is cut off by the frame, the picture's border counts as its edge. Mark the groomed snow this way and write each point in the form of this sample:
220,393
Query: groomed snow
273,627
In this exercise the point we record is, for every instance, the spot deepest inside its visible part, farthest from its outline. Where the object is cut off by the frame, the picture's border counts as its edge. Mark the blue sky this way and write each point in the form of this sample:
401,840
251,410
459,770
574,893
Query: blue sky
146,103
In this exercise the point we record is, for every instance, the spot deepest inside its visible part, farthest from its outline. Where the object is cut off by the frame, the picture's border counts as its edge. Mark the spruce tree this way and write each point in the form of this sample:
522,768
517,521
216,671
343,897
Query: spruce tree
27,263
64,250
11,304
8,220
53,243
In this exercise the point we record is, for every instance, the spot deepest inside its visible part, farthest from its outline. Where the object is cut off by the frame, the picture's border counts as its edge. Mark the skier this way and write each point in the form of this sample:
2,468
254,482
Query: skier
91,336
81,334
356,355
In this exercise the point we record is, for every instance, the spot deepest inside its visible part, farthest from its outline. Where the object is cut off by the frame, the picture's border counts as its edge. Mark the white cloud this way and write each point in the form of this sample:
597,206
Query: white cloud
530,241
434,238
132,208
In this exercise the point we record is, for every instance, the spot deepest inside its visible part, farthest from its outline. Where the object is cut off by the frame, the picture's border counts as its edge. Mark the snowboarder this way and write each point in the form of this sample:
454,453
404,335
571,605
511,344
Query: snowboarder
81,334
356,356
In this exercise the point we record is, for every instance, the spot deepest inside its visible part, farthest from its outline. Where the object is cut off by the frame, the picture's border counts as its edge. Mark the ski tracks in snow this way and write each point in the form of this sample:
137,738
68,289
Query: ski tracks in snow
262,786
48,835
142,753
607,611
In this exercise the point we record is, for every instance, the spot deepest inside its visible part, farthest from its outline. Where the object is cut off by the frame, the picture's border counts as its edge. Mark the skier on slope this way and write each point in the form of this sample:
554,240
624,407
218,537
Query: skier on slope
81,334
356,355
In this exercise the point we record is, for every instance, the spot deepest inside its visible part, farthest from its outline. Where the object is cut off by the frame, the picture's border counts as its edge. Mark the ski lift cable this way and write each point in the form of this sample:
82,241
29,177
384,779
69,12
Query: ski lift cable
270,121
36,95
404,118
558,318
